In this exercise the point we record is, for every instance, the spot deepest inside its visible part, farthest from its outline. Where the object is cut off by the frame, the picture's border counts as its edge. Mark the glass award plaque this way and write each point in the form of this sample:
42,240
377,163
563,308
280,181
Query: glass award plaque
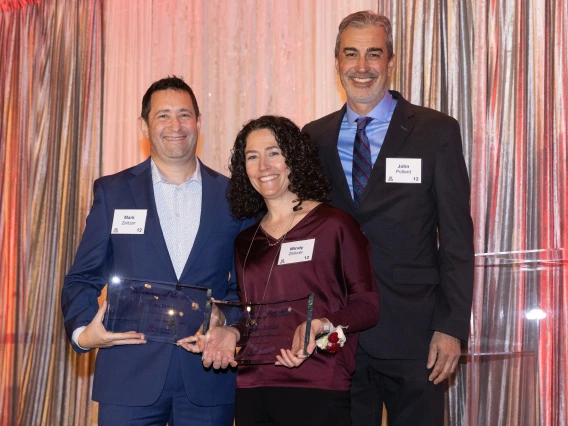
268,327
164,312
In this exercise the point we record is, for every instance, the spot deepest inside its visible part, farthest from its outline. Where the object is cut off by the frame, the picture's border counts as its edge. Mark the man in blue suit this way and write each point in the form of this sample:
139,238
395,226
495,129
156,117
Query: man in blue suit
183,233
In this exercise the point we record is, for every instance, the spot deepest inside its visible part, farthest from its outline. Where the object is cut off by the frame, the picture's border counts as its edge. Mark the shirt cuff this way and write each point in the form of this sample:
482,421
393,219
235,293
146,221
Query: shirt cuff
75,336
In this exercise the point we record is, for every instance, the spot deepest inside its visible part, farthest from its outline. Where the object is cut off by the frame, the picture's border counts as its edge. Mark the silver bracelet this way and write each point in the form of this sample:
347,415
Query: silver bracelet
327,326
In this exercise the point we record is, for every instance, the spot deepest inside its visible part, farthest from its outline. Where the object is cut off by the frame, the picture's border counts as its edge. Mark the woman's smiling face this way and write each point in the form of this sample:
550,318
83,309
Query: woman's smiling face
265,165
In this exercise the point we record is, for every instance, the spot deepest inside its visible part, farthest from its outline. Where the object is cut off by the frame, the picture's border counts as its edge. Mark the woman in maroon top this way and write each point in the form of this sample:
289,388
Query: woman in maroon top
275,168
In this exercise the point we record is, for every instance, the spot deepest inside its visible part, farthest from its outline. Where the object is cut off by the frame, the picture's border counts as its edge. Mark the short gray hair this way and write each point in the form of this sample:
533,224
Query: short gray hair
363,19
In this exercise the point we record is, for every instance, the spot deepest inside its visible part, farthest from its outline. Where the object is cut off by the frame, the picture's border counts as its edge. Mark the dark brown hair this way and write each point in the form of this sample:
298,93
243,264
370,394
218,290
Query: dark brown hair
307,179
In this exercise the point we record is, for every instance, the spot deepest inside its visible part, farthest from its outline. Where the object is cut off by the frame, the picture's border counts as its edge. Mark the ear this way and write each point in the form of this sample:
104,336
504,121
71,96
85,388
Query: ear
337,65
143,127
199,123
392,62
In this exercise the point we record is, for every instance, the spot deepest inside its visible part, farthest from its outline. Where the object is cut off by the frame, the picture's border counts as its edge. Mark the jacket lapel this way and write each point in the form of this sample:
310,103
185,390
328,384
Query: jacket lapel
209,199
399,129
328,146
142,190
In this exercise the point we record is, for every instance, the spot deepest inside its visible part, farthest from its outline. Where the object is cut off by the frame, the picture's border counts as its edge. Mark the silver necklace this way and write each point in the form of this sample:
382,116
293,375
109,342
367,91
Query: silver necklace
251,323
285,232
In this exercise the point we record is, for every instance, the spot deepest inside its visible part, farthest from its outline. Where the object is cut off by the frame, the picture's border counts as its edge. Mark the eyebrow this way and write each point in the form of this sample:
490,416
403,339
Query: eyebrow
266,149
370,49
170,109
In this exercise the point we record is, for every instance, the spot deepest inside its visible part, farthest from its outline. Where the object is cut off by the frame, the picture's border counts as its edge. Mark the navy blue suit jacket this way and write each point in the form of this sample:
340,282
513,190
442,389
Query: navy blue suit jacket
135,374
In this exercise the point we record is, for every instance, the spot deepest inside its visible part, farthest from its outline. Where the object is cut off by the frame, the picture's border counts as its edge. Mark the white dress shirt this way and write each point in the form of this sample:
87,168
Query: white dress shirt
179,210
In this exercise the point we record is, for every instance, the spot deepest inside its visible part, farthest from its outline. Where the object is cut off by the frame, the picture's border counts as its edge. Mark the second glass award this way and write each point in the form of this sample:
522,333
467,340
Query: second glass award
268,326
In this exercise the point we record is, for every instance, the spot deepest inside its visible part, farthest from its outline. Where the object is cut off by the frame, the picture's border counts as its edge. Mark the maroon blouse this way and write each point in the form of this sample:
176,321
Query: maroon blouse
341,277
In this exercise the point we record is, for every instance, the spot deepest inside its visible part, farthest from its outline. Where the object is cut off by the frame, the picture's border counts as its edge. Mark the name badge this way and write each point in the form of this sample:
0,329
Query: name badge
129,221
404,170
296,251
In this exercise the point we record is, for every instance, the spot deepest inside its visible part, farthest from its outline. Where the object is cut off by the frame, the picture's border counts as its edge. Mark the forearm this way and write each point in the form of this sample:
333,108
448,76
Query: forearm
361,312
455,230
79,304
87,277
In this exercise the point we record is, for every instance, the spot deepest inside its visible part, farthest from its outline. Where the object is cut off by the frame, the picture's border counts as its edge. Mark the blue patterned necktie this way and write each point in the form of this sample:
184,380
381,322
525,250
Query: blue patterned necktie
362,164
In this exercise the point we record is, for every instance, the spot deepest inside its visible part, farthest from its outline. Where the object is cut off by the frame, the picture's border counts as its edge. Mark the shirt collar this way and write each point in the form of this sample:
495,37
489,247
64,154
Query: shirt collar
380,113
157,176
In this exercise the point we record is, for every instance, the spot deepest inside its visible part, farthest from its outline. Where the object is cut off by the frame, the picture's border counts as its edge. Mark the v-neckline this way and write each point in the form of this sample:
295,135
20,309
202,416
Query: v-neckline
265,232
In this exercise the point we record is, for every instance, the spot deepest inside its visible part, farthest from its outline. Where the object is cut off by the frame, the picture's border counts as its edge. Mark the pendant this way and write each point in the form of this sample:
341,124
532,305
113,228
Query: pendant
250,322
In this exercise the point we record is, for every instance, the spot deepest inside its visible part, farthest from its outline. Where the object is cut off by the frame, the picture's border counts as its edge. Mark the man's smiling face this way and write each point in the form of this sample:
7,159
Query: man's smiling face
173,127
364,67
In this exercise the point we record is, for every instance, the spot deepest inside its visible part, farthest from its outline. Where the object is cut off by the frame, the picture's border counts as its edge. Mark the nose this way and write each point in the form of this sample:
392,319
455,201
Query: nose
362,64
264,163
175,124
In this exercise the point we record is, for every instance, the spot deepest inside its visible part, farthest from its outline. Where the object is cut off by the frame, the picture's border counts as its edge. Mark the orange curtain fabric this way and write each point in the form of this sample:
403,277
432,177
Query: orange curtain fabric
50,142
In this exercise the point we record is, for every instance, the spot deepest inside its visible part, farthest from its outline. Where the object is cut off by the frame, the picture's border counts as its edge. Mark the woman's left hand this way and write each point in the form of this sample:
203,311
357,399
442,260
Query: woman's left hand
294,357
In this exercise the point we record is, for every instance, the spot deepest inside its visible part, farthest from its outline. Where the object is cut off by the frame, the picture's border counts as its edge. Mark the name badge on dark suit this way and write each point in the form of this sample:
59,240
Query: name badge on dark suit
403,170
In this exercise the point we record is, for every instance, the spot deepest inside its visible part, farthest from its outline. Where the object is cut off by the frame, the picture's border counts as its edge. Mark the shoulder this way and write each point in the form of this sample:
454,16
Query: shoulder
118,179
315,127
339,225
436,118
423,114
212,173
332,216
208,174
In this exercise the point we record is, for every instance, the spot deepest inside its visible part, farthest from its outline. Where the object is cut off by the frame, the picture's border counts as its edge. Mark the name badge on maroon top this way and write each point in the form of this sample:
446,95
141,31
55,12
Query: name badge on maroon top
296,251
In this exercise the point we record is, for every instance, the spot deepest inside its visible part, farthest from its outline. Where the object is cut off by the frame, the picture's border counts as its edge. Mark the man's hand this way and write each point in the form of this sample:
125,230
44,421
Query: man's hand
220,345
443,356
294,357
95,335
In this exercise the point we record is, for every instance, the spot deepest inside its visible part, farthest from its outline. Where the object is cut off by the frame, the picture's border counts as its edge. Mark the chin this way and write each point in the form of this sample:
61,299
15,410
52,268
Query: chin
270,195
366,98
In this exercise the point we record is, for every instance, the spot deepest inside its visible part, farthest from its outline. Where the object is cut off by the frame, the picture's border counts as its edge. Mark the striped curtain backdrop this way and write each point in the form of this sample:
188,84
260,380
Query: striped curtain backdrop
499,67
50,144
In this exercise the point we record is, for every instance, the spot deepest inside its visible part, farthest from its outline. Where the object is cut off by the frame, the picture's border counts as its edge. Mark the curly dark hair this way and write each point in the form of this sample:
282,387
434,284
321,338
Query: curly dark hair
167,83
307,179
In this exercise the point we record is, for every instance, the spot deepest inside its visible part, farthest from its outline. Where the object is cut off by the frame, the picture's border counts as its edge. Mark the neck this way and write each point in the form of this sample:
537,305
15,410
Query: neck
176,173
364,108
281,209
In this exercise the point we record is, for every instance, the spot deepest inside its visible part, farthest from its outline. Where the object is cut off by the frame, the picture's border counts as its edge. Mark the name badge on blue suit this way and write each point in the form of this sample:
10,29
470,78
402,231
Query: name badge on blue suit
129,221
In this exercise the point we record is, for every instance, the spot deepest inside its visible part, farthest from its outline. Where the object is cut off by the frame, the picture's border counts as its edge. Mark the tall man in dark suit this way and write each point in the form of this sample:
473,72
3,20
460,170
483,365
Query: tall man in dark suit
399,170
183,234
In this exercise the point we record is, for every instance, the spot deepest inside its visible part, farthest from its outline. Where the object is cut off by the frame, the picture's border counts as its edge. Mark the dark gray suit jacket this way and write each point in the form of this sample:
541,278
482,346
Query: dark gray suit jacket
421,235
